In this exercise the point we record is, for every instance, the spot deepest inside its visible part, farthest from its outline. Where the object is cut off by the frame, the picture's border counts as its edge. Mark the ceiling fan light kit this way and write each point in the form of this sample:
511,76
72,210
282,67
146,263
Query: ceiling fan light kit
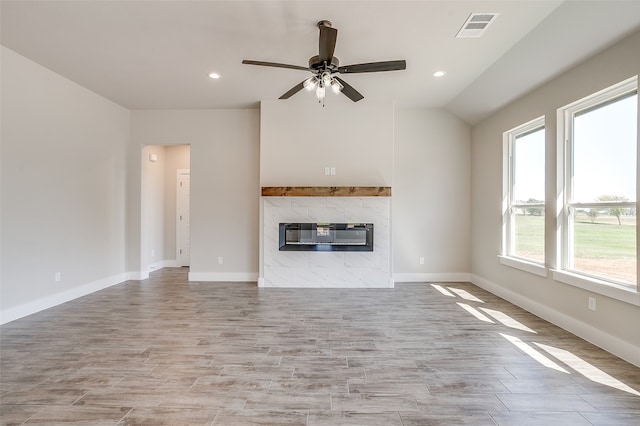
311,83
324,65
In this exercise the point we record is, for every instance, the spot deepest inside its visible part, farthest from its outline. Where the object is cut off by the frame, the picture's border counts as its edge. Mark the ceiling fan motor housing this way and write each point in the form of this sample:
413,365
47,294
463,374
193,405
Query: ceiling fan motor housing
315,64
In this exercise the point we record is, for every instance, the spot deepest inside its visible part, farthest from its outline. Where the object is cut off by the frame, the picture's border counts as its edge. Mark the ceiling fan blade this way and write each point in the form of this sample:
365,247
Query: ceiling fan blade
327,44
295,89
274,64
374,67
349,91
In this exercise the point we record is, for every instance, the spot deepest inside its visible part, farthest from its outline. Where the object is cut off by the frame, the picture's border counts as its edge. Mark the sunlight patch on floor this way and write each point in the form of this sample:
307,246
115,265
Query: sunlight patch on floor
442,290
476,313
587,370
465,294
526,348
507,320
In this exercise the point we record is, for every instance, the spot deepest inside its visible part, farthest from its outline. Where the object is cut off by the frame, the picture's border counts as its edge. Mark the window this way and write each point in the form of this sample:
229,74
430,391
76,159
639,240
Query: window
598,218
524,192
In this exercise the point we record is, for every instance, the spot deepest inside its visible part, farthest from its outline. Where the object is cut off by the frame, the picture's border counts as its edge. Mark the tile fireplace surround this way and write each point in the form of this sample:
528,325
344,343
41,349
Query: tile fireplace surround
322,269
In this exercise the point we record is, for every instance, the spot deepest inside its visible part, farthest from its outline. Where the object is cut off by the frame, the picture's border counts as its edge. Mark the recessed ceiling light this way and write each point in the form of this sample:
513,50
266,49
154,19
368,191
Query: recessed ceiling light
214,75
439,73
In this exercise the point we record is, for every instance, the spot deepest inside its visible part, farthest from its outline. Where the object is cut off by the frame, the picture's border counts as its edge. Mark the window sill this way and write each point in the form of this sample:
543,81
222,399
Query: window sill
523,265
614,291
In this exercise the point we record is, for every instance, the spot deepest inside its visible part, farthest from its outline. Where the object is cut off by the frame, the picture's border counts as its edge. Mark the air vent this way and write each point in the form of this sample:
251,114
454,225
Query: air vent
476,24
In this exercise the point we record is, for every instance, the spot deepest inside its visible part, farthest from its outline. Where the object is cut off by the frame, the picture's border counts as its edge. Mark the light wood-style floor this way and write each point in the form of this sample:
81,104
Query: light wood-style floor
166,351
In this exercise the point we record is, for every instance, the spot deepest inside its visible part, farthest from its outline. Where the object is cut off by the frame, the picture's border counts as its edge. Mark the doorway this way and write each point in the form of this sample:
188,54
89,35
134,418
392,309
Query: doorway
165,237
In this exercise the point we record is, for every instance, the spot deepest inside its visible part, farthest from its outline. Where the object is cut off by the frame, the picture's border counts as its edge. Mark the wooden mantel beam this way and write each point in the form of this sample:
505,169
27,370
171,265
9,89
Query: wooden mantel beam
326,191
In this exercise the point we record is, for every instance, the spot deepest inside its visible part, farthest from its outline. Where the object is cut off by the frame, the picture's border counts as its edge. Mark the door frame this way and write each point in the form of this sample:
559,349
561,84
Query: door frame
182,257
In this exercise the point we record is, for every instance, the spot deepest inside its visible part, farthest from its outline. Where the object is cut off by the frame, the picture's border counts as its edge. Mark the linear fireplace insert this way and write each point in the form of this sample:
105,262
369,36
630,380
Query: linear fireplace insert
326,237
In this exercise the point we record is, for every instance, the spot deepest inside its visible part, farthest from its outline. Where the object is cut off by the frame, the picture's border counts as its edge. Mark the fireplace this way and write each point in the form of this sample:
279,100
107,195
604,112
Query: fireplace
326,237
317,254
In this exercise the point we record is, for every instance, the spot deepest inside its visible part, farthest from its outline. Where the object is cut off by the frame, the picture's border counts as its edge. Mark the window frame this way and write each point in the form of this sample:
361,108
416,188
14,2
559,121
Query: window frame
508,256
567,207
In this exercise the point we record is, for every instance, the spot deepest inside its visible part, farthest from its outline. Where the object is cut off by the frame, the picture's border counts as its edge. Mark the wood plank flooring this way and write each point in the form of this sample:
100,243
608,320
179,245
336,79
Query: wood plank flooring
166,351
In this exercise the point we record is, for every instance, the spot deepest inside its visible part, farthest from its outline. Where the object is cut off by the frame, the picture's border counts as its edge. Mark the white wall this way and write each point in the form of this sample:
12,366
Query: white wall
614,326
432,157
64,175
224,184
299,138
153,205
431,196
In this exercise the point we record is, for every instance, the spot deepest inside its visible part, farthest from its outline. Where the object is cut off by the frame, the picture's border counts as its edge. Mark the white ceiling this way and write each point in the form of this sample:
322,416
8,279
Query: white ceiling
158,54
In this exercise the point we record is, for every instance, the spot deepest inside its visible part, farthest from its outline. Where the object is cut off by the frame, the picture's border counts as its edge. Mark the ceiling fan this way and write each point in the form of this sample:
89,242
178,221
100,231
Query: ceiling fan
324,65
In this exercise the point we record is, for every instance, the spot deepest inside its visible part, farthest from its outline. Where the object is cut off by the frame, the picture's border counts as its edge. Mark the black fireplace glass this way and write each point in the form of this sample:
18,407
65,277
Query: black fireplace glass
326,237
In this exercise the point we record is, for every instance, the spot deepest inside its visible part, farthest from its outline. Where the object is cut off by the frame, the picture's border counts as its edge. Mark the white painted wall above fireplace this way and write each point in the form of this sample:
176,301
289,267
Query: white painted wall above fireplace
299,139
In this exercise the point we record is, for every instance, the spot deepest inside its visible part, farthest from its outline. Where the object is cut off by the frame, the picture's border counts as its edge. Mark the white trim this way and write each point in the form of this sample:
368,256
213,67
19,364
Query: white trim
509,204
38,305
432,277
137,275
605,288
609,343
167,263
523,265
261,282
224,276
604,95
182,204
328,285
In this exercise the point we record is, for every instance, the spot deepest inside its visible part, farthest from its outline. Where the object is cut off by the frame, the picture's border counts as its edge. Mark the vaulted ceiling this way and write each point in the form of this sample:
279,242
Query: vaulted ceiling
158,54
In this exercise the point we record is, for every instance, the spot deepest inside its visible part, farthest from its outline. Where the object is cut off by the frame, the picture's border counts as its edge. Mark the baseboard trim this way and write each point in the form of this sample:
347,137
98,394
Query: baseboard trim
170,263
137,275
224,276
432,277
38,305
156,266
612,344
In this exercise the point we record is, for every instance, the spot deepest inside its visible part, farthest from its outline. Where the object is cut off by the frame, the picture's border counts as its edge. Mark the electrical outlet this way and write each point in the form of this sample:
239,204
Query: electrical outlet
421,260
220,260
57,277
327,170
333,171
592,303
